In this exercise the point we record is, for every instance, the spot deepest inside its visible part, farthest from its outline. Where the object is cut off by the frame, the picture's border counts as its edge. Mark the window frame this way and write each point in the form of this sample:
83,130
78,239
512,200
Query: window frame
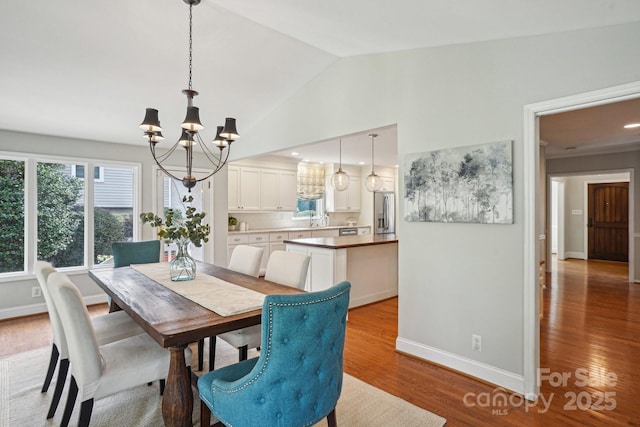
31,207
100,169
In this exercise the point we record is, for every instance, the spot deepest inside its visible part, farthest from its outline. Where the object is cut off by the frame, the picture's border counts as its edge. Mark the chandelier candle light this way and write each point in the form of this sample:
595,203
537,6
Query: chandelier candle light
373,182
190,130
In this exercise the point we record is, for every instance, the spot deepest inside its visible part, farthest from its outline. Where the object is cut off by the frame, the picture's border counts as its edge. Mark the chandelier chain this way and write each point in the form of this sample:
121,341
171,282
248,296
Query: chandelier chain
190,42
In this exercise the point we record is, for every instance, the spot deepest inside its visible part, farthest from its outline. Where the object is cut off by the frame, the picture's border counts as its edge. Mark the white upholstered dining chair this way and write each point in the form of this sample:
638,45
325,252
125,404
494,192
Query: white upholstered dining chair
245,259
285,268
97,370
108,328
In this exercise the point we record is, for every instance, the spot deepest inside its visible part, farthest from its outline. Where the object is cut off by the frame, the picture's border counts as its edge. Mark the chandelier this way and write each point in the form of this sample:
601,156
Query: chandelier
191,126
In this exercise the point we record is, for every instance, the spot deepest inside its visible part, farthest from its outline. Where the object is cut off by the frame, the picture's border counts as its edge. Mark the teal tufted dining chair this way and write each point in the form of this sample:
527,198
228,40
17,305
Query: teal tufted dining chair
297,379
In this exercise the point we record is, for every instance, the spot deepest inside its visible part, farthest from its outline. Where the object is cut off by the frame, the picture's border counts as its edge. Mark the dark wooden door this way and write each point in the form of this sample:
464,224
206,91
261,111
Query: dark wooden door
608,221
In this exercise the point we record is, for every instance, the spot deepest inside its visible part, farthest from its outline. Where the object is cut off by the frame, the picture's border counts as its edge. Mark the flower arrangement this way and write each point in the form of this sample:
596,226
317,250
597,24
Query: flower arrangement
175,227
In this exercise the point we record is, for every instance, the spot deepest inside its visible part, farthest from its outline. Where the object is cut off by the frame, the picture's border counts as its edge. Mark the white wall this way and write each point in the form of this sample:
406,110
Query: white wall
574,221
456,279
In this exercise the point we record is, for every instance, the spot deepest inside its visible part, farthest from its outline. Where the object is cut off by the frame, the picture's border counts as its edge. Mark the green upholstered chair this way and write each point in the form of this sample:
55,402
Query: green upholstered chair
127,253
297,379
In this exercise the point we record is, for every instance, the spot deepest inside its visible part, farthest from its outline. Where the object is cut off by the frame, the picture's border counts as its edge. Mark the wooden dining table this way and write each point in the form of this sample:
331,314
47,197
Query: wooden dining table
175,321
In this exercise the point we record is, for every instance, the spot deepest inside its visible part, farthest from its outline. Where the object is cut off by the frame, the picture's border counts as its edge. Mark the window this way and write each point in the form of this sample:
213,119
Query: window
12,207
172,194
309,208
60,238
113,209
50,212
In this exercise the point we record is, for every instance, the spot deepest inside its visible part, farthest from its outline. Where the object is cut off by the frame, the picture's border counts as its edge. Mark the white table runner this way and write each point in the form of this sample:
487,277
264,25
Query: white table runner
215,294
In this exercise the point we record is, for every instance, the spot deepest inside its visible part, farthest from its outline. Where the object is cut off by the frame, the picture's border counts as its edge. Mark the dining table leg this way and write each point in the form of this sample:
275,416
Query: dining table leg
177,401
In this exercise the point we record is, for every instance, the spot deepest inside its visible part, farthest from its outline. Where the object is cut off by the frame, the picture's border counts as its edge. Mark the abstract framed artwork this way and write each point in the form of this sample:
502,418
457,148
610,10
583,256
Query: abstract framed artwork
471,184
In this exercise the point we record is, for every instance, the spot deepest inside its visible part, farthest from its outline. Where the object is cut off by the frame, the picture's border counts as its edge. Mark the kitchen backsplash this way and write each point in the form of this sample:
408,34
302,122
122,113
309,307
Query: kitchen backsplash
268,220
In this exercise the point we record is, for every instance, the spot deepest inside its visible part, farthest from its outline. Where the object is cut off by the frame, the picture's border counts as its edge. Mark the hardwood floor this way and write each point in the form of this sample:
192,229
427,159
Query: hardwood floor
591,322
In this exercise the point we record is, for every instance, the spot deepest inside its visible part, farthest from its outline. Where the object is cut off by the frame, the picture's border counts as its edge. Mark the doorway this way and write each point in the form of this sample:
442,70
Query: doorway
608,221
534,224
571,226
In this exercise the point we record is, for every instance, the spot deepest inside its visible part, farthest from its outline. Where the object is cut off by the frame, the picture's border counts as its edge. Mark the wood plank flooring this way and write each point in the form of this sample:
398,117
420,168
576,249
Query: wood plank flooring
591,322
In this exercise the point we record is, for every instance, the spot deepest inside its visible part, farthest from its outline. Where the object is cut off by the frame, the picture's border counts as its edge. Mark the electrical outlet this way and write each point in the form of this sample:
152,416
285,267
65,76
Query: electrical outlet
36,292
476,342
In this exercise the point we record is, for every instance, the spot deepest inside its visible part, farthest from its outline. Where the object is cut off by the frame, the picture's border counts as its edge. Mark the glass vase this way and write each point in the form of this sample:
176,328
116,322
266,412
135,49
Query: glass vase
183,266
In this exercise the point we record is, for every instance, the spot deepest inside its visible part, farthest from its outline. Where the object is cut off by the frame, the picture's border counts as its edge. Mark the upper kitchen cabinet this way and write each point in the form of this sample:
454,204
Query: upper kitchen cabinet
278,190
388,183
347,200
255,188
244,188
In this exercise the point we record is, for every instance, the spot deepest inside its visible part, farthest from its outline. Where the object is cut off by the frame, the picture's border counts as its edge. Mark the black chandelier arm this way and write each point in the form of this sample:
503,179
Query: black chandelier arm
162,168
161,158
215,159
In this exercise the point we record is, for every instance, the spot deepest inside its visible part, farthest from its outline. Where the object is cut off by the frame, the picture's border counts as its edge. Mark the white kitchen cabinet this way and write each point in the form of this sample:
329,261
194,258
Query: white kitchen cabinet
388,184
260,240
275,241
299,234
333,232
364,230
278,190
244,189
347,200
372,269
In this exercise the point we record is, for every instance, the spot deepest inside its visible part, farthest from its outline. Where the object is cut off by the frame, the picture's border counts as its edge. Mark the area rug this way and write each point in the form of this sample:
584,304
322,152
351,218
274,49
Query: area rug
22,404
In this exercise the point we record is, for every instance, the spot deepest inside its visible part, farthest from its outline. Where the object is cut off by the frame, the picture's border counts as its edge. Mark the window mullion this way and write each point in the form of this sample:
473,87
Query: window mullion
30,213
89,209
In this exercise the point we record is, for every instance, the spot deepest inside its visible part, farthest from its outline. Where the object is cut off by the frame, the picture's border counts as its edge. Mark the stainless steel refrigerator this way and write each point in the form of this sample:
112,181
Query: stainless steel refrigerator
384,206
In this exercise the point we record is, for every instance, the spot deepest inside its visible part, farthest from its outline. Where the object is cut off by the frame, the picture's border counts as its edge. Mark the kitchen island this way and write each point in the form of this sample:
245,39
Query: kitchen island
369,262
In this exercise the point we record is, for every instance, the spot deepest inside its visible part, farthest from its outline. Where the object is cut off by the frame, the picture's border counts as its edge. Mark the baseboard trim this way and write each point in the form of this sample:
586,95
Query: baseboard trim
27,310
473,368
576,255
368,299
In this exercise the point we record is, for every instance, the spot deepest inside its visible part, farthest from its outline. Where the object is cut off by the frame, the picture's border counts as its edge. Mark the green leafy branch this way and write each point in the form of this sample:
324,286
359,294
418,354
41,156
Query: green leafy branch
175,227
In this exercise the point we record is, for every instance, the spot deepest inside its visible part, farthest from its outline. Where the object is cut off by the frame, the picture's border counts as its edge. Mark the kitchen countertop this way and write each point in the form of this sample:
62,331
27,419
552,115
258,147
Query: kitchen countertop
344,242
277,230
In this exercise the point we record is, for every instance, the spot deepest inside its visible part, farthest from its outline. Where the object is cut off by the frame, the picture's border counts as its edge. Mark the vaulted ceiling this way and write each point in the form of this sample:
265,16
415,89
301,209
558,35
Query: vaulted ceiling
87,69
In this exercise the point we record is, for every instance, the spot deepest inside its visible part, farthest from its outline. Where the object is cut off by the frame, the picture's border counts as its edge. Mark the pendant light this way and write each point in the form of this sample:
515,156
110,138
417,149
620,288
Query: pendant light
373,182
340,179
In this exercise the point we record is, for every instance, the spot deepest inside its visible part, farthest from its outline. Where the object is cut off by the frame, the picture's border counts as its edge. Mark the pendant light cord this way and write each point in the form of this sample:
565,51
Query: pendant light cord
372,167
340,168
